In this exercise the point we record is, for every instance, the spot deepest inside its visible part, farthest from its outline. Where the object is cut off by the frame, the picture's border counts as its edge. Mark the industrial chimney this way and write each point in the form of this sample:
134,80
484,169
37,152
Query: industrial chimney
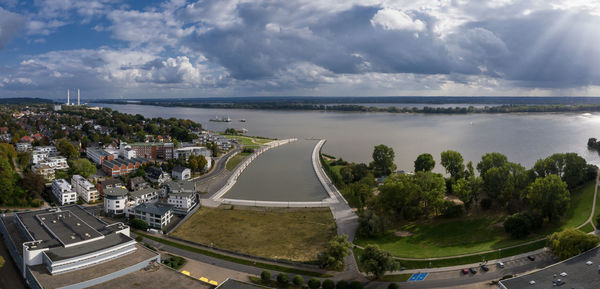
67,96
78,97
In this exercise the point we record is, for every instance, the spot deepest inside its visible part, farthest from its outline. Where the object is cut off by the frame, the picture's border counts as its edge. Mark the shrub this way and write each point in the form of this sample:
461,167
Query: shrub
393,286
452,210
314,283
342,284
518,225
139,238
265,276
283,279
355,285
139,224
571,242
298,280
328,284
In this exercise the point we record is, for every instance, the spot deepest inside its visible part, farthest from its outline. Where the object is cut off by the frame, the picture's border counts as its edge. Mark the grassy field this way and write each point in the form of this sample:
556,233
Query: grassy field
248,141
236,160
291,234
481,232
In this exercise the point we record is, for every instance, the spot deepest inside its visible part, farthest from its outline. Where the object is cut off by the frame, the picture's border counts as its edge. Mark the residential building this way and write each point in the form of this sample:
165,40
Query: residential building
176,187
157,215
143,196
181,173
157,175
98,155
156,150
182,202
115,201
84,189
186,152
137,183
108,184
57,163
23,146
5,137
63,192
126,152
45,171
27,139
119,167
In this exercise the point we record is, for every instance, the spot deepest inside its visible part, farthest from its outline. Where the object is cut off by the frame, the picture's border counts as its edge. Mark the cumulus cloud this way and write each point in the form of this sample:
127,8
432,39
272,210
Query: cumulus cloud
391,19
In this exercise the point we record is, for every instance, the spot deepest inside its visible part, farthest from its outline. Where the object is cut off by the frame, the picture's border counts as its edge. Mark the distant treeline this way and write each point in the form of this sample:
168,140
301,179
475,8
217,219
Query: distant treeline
275,105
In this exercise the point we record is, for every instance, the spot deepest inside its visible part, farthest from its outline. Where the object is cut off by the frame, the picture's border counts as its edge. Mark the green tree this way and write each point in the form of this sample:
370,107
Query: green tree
328,284
346,173
549,196
314,283
376,261
393,286
66,148
283,279
424,163
8,151
464,190
24,160
7,182
355,285
383,160
518,225
490,160
342,284
139,224
298,280
265,276
571,242
83,167
33,184
337,249
453,162
369,224
432,188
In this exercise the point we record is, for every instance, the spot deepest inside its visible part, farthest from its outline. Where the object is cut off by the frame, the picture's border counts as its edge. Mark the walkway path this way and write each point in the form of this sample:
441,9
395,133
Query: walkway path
591,217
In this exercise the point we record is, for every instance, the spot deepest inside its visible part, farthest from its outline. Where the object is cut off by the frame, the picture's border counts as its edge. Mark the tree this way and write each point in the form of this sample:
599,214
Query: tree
465,192
393,286
376,261
7,182
571,242
298,280
432,188
66,148
369,224
424,163
83,167
549,196
342,284
453,162
383,160
314,283
33,184
337,249
265,276
346,173
139,224
283,279
355,285
328,284
491,160
518,225
357,194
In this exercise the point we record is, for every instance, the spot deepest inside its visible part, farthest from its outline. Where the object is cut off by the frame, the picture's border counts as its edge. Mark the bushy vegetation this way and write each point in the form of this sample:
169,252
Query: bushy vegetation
174,262
571,242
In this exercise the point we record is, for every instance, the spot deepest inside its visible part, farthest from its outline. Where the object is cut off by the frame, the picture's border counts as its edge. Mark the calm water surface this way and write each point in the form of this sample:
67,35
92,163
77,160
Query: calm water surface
284,173
524,138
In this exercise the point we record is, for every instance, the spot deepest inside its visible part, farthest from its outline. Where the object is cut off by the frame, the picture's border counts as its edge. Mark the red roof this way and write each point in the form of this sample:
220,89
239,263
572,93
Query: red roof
27,139
37,136
4,129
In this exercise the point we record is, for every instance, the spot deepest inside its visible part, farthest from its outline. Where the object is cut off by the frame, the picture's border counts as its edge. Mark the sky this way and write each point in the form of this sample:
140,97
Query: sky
178,48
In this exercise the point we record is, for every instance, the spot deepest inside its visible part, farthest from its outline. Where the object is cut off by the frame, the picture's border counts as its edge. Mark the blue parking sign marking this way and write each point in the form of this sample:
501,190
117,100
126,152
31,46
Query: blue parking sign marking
417,277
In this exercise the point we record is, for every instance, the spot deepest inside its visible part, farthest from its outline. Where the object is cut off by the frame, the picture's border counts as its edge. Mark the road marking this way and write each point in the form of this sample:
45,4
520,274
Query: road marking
417,277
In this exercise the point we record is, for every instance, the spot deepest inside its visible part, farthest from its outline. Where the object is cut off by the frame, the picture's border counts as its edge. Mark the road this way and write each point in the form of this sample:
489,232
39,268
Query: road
219,166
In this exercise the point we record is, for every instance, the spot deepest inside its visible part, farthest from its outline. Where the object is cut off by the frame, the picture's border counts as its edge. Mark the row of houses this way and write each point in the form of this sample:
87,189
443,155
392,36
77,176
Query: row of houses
222,142
66,193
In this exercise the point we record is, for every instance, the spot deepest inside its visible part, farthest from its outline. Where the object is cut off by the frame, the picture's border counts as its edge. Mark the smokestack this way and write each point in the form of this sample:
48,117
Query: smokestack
67,96
78,97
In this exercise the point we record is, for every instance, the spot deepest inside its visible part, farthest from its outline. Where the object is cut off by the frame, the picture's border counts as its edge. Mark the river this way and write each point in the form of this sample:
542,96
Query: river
523,137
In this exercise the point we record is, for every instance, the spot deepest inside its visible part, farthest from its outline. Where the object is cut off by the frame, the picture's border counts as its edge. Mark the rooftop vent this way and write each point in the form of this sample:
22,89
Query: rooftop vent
72,237
43,218
54,221
78,224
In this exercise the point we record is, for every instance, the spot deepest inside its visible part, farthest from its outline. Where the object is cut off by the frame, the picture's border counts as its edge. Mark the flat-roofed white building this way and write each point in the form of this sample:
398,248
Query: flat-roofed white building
86,190
63,191
182,202
23,146
157,215
57,163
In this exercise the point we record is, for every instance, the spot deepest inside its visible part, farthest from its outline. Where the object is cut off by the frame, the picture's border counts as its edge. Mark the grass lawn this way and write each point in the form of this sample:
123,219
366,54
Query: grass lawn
235,160
248,141
291,234
450,237
395,278
587,228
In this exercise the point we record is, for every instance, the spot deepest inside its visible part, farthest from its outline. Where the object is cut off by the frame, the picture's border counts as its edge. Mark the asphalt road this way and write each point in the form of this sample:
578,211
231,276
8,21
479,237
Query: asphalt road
218,167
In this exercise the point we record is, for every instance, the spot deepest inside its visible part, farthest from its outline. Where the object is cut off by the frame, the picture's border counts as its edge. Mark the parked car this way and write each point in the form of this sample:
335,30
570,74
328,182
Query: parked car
531,257
465,271
472,270
485,268
500,264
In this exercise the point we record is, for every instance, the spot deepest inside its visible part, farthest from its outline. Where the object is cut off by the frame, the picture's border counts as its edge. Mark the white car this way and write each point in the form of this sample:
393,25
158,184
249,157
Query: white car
589,263
563,274
500,264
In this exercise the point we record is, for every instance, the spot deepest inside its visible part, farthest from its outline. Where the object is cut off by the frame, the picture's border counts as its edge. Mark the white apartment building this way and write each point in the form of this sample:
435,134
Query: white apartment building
23,146
157,215
183,202
84,189
115,200
46,171
57,163
63,192
50,150
146,195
